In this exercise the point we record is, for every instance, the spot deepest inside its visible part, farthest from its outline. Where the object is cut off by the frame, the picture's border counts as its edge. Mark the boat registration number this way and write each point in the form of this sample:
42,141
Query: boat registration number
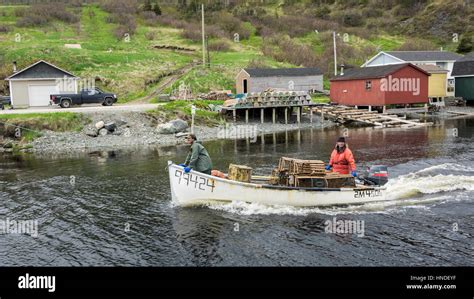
194,181
367,193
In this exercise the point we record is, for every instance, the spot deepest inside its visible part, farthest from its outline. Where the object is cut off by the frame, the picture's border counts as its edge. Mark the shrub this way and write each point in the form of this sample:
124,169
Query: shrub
214,31
417,45
153,6
19,12
40,14
282,48
257,64
219,45
30,21
323,12
466,44
172,22
120,6
149,17
4,28
352,19
372,12
191,32
150,35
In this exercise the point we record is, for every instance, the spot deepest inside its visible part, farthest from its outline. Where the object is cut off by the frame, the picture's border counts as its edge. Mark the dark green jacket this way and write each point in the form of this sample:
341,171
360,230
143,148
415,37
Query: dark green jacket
198,159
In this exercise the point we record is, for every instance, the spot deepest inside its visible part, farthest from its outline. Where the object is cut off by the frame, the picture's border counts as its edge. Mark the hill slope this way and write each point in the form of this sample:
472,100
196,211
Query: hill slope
123,42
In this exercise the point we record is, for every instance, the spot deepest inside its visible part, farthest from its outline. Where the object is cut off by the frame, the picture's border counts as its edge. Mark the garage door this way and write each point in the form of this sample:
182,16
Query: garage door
39,94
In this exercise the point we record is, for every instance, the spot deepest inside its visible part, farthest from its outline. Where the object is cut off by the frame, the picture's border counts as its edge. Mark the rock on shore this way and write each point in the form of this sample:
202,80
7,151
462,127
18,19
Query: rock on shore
132,129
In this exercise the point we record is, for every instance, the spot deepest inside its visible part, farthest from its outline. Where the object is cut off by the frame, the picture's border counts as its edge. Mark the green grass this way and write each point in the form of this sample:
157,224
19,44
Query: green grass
125,67
320,99
386,42
182,109
32,124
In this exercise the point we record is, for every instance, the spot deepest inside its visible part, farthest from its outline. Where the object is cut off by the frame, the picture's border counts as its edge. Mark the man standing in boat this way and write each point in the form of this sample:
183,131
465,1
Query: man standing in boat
342,160
198,158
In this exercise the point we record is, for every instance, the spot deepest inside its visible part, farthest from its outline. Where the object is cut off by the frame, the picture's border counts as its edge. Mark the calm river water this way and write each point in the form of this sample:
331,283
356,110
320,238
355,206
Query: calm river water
114,208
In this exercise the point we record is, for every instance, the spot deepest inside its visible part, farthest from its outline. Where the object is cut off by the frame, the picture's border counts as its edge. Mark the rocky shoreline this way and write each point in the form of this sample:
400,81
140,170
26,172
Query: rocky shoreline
132,129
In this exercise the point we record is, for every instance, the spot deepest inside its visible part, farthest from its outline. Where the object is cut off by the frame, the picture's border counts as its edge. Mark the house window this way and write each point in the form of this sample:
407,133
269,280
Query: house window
450,87
368,85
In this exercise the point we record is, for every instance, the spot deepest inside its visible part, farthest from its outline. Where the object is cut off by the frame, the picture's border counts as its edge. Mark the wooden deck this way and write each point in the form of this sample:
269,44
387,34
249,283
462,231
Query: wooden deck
345,114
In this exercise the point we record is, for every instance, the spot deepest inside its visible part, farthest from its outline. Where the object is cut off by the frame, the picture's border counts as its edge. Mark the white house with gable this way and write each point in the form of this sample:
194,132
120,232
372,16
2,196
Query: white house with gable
443,59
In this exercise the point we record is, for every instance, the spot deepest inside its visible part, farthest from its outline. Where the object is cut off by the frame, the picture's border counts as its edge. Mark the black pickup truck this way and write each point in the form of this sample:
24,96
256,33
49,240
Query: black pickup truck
4,100
86,96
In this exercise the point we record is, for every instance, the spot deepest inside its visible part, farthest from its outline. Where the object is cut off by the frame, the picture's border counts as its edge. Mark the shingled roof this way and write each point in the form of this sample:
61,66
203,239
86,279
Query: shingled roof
286,72
432,69
464,66
424,55
41,70
374,72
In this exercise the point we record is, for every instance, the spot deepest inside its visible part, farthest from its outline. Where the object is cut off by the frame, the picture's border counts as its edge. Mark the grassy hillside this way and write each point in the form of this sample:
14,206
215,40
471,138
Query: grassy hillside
272,34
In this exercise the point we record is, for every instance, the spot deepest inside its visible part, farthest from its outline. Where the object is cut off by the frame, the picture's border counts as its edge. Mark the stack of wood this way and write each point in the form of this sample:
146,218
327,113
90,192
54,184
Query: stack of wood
308,173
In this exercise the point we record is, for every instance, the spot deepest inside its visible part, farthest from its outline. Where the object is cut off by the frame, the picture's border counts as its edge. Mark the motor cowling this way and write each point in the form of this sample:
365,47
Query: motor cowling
378,174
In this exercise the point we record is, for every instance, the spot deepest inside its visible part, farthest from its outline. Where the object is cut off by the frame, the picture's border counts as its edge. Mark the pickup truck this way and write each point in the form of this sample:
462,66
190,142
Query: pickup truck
86,96
4,100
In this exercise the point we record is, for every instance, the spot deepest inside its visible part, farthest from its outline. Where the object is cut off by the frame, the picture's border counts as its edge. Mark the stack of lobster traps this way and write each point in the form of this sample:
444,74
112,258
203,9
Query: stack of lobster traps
293,172
274,99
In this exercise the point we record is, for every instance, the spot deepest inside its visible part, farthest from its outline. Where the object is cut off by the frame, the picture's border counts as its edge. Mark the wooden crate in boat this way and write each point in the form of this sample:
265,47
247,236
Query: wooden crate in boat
310,167
240,173
342,181
325,181
284,163
298,166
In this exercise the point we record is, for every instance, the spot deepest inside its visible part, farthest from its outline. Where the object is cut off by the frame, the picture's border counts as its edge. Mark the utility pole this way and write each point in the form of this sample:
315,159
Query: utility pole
208,55
203,37
335,52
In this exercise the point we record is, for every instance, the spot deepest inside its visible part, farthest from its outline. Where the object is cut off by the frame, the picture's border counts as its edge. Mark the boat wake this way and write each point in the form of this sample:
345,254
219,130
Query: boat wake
448,177
420,189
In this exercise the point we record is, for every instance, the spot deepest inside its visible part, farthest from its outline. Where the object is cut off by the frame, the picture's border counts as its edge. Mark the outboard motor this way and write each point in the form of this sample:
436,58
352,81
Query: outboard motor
377,175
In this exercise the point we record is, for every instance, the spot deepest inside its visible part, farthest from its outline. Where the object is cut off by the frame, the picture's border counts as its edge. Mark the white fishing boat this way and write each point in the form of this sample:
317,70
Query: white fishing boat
196,188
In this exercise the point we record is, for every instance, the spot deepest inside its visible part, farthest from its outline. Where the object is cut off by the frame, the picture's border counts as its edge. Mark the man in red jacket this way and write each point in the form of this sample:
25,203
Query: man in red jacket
342,159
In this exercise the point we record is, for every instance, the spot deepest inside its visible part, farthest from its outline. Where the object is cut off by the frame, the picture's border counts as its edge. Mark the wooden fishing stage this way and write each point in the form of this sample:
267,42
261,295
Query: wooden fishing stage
343,114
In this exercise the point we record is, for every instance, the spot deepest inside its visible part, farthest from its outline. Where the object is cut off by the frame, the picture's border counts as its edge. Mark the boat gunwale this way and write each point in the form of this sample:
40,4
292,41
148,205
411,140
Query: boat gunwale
273,187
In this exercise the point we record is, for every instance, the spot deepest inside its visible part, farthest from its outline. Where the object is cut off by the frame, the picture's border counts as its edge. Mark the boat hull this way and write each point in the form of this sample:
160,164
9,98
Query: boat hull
196,188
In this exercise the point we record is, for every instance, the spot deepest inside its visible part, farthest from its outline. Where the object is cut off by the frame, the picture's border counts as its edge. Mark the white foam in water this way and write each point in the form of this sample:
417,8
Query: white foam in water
407,186
447,166
402,193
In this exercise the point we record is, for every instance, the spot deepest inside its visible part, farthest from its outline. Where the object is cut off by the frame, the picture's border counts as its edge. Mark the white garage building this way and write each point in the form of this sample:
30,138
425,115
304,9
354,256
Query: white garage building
32,86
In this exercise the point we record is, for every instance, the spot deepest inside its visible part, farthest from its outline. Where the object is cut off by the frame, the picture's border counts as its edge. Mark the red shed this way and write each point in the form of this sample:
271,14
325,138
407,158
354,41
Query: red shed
382,85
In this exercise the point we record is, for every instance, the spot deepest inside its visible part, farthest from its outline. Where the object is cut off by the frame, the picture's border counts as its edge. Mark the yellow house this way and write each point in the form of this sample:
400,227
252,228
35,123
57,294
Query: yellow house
437,82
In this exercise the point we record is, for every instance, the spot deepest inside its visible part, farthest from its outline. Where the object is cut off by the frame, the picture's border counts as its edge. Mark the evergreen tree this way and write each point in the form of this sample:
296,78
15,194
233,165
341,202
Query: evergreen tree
465,45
